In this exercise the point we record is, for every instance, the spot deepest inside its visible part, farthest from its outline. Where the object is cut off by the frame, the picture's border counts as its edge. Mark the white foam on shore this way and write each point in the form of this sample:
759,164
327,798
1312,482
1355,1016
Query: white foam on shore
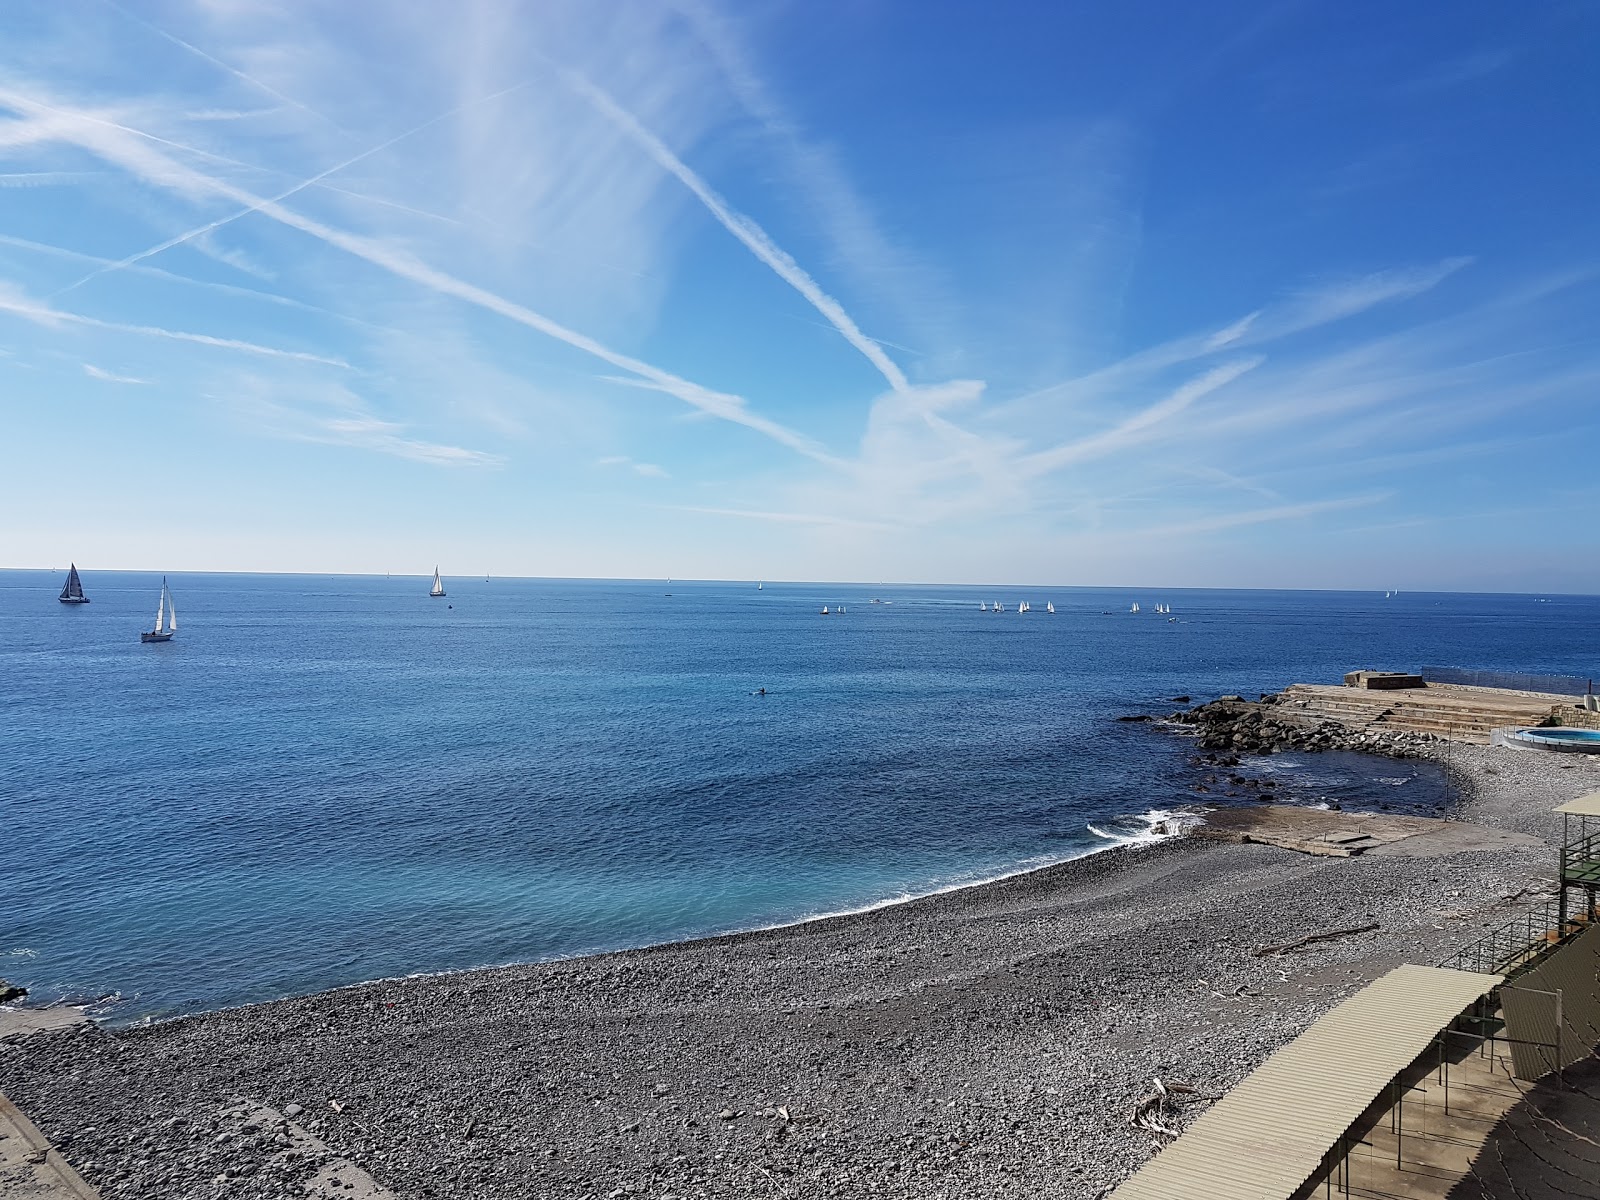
1158,825
1175,822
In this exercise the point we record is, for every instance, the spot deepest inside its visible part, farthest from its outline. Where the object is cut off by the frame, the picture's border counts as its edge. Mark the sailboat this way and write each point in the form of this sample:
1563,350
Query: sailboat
72,593
437,592
166,618
759,585
824,610
1023,607
983,606
1135,607
1049,606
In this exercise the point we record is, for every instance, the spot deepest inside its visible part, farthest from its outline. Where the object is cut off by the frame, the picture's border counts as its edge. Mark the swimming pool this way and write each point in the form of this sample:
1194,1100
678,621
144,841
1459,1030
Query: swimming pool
1572,741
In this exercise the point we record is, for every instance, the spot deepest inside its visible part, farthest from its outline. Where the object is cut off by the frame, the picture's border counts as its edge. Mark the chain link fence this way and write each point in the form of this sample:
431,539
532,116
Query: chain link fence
1555,685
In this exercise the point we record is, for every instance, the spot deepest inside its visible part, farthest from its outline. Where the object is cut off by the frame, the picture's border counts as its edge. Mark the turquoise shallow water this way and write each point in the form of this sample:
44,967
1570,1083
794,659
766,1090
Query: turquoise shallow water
323,780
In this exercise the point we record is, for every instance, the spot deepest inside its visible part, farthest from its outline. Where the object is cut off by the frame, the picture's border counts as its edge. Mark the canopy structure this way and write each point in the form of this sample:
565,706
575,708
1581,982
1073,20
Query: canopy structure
1583,806
1274,1131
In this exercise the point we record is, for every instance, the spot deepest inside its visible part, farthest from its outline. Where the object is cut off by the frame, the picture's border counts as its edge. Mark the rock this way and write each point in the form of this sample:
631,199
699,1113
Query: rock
11,991
726,1114
1179,700
1136,717
292,1110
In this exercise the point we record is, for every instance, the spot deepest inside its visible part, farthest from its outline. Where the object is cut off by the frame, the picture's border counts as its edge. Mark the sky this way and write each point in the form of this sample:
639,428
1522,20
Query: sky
1237,294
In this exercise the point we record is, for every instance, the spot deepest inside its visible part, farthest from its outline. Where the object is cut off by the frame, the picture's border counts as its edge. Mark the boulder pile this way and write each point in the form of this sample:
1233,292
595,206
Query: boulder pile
1235,724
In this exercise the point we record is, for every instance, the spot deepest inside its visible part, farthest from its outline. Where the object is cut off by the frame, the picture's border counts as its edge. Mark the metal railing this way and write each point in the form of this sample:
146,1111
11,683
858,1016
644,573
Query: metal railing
1556,685
1585,852
1516,945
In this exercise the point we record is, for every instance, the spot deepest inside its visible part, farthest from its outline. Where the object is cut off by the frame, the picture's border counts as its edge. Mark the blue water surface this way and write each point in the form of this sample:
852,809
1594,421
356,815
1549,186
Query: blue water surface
323,780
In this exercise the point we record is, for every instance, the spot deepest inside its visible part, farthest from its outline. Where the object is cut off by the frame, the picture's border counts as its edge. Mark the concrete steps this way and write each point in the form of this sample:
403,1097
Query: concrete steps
1457,713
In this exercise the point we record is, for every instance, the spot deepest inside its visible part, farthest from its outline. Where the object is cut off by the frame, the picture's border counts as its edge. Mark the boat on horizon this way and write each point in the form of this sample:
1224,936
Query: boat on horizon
166,617
1049,606
824,611
437,591
72,592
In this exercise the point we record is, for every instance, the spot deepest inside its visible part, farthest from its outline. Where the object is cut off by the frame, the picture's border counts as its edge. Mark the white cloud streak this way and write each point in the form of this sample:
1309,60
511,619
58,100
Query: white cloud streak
94,372
205,230
1260,516
1139,426
128,149
219,64
786,518
14,302
751,235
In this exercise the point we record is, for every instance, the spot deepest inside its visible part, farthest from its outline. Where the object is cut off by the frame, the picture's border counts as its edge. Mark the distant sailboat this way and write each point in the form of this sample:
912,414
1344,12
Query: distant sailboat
166,618
824,610
983,606
759,586
72,593
437,591
1049,606
1023,607
1135,607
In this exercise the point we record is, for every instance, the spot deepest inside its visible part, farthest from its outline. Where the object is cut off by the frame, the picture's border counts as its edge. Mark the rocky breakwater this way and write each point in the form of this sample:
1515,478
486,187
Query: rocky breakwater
1234,724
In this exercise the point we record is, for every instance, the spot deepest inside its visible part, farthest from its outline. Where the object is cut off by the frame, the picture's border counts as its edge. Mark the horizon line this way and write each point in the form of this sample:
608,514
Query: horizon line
753,579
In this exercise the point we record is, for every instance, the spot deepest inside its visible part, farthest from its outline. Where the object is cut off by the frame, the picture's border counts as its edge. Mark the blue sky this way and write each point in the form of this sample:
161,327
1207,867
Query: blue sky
1248,294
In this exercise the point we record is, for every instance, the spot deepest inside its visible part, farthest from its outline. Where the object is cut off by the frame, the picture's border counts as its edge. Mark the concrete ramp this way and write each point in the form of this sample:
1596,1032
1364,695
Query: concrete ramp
30,1167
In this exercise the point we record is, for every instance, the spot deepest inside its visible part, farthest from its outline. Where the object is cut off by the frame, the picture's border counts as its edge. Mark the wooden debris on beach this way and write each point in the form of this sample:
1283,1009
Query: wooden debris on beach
1330,935
1150,1110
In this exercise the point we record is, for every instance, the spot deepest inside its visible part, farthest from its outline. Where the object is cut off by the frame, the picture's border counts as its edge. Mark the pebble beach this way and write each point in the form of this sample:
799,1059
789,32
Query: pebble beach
990,1041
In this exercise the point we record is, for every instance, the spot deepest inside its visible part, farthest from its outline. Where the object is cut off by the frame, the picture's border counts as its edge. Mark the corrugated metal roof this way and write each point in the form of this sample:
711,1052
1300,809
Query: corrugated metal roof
1583,806
1266,1137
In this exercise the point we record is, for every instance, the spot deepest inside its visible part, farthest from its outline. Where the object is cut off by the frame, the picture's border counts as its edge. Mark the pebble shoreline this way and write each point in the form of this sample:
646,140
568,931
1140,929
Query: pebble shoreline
985,1042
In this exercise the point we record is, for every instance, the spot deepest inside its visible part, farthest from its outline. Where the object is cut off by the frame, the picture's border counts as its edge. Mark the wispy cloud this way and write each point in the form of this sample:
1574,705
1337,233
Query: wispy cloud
647,469
15,302
339,418
753,237
94,372
131,150
787,518
1261,516
226,68
1141,424
33,179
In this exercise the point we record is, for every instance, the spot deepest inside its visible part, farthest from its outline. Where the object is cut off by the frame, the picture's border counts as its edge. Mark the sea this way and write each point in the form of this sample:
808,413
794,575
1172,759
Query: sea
328,779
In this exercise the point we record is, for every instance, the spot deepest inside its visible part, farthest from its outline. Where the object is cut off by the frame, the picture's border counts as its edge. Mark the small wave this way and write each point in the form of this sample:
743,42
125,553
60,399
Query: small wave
1156,825
21,952
1394,780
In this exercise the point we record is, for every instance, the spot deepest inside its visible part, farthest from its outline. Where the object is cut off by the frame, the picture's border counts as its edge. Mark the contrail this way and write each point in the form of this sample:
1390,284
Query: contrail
1129,430
299,187
46,316
747,231
130,152
222,66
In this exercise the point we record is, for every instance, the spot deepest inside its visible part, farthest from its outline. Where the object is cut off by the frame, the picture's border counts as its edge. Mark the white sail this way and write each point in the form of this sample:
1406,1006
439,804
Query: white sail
172,613
161,606
438,584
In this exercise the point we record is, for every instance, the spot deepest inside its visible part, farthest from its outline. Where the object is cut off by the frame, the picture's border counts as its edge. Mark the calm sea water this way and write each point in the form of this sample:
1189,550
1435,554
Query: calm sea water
324,780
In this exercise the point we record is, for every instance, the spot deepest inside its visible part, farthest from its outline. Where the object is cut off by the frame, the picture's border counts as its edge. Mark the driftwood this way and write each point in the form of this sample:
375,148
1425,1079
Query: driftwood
1150,1110
1263,951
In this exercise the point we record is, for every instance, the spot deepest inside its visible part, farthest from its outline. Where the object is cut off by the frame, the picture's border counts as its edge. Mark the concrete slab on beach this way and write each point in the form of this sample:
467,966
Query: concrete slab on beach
20,1022
1345,835
30,1167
